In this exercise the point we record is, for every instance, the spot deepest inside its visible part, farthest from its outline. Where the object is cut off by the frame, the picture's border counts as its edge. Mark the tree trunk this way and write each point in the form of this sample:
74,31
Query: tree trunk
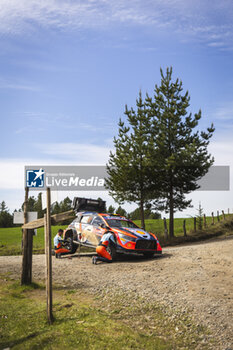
142,214
171,216
195,224
165,229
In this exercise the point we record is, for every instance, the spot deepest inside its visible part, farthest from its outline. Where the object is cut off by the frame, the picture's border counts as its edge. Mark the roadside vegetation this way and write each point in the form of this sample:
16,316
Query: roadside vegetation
83,321
159,151
11,237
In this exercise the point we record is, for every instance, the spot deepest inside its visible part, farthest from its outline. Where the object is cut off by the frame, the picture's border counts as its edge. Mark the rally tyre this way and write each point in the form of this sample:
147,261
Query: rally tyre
111,249
69,239
74,248
149,255
70,245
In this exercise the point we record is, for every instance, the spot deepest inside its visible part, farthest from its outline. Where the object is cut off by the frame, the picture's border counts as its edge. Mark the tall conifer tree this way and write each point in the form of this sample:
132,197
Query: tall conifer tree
129,178
182,155
159,153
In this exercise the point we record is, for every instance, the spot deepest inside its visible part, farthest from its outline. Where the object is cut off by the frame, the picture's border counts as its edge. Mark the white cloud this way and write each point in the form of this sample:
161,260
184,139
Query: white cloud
12,173
187,17
79,153
222,152
12,182
225,112
6,85
12,170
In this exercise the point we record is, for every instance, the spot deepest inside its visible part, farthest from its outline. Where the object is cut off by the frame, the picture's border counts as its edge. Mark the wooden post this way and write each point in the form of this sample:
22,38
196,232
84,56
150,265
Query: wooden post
204,216
165,228
195,224
228,211
223,215
218,216
25,277
184,228
212,217
29,252
48,255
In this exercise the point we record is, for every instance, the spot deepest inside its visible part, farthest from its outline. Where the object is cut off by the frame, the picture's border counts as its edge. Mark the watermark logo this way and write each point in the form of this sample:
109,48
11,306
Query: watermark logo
93,178
35,178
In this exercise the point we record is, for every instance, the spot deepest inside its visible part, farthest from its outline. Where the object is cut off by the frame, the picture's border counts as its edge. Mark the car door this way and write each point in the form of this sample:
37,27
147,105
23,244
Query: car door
97,229
86,228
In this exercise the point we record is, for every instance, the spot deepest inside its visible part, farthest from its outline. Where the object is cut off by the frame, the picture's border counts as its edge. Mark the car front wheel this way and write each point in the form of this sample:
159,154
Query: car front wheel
111,249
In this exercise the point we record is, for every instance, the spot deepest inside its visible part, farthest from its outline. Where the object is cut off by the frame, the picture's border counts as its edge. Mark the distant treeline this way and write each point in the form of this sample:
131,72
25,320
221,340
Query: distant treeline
35,204
6,219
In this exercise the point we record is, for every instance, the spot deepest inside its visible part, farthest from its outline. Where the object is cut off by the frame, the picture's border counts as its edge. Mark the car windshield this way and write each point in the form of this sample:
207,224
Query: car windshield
120,223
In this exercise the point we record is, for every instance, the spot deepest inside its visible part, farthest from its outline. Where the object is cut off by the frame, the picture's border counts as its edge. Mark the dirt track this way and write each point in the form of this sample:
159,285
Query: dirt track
198,278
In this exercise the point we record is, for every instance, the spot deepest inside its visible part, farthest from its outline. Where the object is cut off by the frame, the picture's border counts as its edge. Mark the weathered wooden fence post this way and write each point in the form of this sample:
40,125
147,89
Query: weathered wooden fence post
30,247
26,276
48,255
223,215
195,224
218,218
228,211
212,217
204,216
184,228
165,229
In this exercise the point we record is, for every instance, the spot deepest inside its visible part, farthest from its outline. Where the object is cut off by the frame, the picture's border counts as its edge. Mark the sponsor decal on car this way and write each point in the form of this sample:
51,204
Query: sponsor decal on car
140,232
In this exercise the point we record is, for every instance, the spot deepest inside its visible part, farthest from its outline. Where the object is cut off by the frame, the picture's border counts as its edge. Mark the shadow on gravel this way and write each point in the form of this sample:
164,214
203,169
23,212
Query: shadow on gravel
81,255
140,258
122,258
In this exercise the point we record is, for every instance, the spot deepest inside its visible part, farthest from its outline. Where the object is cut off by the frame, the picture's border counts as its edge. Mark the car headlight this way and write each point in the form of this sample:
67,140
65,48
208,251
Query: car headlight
127,238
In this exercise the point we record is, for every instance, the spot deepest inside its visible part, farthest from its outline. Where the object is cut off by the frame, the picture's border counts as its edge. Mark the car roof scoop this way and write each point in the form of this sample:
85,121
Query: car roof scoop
85,204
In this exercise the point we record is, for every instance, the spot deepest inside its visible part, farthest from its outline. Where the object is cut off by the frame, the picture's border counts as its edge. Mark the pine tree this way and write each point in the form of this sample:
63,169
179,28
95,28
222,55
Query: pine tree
128,167
56,208
199,217
111,209
65,205
38,206
6,219
3,207
31,204
121,211
182,155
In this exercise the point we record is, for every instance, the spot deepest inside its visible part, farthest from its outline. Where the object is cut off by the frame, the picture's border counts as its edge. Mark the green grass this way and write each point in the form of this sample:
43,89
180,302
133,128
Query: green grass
10,238
157,226
85,322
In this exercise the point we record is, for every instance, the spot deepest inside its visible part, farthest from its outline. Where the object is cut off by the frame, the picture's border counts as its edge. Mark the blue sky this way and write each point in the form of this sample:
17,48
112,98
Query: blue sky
67,69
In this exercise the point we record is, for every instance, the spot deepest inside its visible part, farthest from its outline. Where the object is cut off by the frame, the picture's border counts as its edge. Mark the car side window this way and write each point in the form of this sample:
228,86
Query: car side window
86,219
76,220
97,221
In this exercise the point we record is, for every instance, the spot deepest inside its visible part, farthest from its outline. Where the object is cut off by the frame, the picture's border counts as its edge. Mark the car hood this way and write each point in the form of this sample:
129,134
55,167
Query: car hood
137,232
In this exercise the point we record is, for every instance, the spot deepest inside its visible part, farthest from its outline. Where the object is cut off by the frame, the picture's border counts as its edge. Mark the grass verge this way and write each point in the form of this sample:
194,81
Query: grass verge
11,237
86,322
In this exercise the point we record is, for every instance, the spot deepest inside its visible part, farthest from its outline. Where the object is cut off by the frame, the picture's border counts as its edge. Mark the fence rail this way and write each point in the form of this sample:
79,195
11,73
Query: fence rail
199,223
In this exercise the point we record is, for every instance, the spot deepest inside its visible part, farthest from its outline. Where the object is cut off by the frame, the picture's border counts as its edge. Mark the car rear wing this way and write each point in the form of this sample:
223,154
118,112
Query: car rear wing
80,204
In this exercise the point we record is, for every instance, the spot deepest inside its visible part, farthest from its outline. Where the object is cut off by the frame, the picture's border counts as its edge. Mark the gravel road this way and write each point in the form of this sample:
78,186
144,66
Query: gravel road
197,278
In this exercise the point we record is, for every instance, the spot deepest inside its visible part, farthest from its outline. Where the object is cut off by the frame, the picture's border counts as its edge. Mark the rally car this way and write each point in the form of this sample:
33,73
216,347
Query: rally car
90,224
